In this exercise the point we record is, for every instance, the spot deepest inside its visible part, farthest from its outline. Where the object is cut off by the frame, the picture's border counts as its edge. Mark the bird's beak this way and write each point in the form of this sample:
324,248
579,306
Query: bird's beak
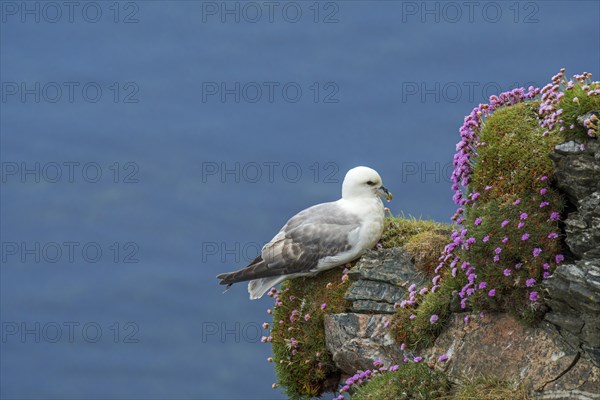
385,193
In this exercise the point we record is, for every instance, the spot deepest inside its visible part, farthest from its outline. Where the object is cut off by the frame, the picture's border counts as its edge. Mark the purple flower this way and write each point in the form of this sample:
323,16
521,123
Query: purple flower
544,178
412,288
543,191
443,357
482,285
488,187
555,216
498,250
518,266
525,236
377,363
505,239
504,223
559,258
536,251
492,293
323,306
552,235
477,221
413,316
533,296
418,359
466,319
523,216
496,258
507,272
402,346
544,204
393,368
433,319
475,196
517,202
546,266
546,274
485,238
530,282
520,224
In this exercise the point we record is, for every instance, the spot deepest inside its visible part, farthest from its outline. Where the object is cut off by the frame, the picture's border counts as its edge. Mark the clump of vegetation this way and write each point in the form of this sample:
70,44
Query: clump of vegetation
507,237
487,388
409,381
423,239
303,364
418,324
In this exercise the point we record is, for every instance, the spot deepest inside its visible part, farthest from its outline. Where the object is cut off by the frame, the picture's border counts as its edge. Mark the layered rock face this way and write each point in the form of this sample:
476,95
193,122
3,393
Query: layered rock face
574,288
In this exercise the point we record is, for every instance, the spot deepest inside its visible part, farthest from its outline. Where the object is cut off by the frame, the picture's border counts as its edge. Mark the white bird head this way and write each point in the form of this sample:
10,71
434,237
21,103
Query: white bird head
361,182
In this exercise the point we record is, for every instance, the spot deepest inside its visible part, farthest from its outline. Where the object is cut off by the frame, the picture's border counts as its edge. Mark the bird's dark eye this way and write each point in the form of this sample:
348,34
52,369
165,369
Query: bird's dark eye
370,183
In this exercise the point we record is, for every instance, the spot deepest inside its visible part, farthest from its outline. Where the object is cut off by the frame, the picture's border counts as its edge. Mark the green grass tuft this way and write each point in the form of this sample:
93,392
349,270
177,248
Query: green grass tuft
410,381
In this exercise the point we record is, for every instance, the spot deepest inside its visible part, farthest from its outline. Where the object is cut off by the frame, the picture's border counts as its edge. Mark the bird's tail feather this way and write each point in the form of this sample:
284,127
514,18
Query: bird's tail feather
258,287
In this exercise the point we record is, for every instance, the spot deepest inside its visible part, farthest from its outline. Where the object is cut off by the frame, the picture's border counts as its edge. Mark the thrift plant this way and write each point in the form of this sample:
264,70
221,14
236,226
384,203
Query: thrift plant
303,364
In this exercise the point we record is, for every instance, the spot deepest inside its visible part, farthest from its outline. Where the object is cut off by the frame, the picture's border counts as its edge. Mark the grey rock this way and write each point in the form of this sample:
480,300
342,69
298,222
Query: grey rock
577,171
377,277
386,265
355,340
567,148
566,321
532,356
583,227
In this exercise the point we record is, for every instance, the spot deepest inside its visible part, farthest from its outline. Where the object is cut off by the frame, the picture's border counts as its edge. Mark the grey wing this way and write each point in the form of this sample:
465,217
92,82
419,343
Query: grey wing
320,231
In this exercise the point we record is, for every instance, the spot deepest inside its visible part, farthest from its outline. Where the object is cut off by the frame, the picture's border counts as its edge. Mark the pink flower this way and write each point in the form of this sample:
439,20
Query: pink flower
536,251
413,316
323,306
523,216
530,282
442,358
533,296
418,359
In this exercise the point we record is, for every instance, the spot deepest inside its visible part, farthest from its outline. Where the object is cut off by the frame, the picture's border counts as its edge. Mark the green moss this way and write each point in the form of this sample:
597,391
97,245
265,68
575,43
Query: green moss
512,162
515,154
410,381
303,365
